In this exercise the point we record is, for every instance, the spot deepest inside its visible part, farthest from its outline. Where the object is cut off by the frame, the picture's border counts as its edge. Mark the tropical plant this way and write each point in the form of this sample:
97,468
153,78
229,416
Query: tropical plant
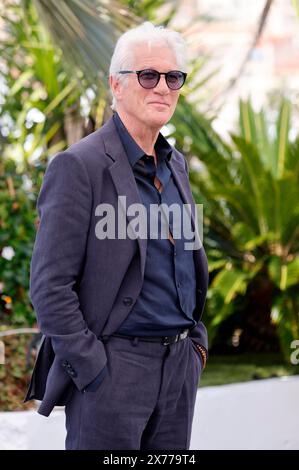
36,98
250,192
17,232
41,109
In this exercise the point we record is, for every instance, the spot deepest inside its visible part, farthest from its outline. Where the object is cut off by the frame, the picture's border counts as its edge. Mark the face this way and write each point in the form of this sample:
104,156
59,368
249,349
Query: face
149,107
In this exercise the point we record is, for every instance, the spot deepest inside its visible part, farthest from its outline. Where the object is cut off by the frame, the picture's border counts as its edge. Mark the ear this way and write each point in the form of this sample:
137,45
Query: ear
116,87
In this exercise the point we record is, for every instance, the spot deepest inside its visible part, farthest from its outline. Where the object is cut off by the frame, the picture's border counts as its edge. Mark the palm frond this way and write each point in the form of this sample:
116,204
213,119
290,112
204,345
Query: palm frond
86,31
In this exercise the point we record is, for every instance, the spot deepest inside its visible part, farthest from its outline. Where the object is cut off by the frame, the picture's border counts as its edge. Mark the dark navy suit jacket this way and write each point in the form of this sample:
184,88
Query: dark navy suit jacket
83,288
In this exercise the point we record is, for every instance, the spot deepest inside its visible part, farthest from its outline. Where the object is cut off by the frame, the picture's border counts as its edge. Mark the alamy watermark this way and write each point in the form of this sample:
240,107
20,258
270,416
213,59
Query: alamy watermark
294,357
136,221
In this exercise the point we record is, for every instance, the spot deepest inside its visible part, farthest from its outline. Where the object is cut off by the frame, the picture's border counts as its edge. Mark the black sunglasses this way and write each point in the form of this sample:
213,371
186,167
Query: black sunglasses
149,78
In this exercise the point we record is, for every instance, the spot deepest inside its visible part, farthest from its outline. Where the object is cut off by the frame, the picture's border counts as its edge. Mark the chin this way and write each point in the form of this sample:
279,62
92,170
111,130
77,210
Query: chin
159,120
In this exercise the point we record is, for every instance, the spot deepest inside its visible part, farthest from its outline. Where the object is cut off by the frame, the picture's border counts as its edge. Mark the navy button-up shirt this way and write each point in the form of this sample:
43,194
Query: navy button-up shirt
168,296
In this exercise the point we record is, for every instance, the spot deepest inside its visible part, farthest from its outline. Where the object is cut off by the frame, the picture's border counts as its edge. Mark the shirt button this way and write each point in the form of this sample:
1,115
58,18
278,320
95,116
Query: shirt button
178,285
127,301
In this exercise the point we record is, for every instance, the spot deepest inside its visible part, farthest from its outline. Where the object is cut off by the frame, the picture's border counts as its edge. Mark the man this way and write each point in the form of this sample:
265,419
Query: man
123,345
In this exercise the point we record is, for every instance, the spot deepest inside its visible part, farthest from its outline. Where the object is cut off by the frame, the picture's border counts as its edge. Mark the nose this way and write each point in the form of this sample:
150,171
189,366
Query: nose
162,87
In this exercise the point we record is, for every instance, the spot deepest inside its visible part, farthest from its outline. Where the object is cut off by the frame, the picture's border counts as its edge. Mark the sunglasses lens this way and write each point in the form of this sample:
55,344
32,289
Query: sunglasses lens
148,78
175,80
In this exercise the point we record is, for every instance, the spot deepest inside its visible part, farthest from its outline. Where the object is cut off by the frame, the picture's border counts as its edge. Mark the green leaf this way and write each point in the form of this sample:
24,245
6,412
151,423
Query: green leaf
230,282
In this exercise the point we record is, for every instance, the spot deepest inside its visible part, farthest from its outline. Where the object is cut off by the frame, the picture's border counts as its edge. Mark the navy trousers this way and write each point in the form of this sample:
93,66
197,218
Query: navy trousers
145,402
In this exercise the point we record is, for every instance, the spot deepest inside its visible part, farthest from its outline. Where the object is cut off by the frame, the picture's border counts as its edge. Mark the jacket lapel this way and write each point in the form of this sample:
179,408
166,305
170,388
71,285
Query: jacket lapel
123,178
200,258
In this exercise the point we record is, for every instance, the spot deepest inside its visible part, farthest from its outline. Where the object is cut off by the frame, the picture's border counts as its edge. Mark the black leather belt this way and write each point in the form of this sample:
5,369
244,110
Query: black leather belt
165,340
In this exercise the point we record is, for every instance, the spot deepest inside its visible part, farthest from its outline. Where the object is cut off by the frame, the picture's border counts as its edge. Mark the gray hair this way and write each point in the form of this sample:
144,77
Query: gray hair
148,33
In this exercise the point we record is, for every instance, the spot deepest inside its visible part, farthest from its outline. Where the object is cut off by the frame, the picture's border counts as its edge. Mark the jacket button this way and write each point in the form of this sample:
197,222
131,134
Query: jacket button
127,301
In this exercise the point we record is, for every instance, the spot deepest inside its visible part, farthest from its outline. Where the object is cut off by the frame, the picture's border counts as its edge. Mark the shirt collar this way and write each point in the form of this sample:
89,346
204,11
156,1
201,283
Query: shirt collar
133,151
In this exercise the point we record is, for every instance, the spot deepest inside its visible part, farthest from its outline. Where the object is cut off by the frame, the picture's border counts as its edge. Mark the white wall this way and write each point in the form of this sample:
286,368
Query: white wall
261,414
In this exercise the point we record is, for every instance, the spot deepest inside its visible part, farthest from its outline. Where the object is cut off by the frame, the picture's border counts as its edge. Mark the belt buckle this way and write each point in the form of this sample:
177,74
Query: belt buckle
177,337
166,340
184,334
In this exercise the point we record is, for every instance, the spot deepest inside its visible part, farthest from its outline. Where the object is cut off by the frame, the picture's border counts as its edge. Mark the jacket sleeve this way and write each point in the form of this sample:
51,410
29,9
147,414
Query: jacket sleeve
186,166
64,207
199,333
